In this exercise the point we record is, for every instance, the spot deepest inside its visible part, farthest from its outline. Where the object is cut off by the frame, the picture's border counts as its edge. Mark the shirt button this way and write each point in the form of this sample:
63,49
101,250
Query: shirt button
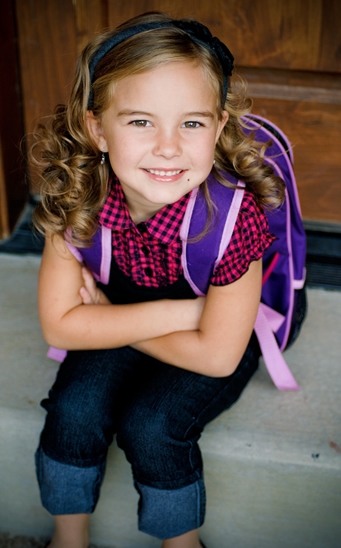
142,228
145,250
148,272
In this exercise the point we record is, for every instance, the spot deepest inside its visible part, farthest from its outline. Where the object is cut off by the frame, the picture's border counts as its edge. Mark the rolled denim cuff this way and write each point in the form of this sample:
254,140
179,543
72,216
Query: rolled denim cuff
168,513
67,489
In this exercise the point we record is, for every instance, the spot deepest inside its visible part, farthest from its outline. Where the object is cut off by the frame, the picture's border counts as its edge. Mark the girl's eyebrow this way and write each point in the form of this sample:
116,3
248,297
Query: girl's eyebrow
199,114
133,113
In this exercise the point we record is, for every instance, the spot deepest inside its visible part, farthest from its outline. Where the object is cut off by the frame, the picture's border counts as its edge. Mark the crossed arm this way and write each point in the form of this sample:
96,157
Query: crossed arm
207,336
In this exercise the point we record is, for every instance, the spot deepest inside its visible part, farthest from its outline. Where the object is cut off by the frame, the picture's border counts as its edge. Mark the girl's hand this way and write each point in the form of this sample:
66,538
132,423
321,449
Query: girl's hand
89,292
188,311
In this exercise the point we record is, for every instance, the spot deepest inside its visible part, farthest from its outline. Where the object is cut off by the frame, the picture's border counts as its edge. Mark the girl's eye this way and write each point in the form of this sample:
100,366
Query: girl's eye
140,123
191,125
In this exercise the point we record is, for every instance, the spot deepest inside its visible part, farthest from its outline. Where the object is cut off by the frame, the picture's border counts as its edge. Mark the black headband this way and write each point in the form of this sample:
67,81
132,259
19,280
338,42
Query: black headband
198,32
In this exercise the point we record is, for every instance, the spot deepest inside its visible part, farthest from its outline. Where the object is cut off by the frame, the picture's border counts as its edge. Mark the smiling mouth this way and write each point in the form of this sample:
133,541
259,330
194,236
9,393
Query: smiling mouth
163,173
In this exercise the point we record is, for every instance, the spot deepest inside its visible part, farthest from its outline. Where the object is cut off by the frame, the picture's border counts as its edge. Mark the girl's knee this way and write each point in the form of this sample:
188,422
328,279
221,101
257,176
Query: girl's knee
160,447
141,429
78,428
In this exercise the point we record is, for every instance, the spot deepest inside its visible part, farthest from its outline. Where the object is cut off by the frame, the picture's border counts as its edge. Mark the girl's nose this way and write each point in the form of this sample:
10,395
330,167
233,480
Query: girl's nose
167,144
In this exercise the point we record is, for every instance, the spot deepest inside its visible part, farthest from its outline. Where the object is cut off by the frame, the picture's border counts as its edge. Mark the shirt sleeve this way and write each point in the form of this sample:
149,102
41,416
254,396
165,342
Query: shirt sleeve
250,239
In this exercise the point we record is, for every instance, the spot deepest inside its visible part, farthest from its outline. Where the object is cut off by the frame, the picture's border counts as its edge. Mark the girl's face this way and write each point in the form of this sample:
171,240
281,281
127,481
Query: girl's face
160,131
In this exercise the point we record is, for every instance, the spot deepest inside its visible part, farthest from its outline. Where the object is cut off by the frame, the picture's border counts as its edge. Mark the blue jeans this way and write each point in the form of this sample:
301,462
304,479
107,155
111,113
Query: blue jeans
157,412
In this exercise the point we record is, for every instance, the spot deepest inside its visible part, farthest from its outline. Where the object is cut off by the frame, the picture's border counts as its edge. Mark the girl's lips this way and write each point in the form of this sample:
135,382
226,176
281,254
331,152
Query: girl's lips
165,175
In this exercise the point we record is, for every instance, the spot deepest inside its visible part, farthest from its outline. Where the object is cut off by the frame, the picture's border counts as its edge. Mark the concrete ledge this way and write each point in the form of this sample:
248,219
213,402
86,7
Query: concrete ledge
273,462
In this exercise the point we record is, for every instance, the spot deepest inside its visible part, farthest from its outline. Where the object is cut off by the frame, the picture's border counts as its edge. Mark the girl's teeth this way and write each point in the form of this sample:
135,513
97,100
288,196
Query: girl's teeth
163,173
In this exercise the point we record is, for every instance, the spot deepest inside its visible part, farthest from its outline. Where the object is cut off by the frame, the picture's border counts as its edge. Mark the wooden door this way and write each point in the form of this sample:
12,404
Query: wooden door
288,51
13,187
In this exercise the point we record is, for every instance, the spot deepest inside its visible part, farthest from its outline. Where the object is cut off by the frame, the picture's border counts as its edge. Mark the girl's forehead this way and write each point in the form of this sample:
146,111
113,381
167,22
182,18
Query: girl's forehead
189,79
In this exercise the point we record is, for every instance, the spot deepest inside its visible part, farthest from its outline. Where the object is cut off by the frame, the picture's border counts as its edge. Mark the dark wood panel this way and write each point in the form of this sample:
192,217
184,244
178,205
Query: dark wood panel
51,35
209,13
4,225
295,34
292,84
48,51
314,130
91,17
307,106
13,190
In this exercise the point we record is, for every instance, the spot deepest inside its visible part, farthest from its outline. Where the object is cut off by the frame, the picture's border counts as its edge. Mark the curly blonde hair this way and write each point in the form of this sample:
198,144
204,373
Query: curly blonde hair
73,179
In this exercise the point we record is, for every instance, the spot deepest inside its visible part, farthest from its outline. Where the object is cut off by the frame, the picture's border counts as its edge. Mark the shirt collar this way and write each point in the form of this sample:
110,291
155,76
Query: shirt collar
163,226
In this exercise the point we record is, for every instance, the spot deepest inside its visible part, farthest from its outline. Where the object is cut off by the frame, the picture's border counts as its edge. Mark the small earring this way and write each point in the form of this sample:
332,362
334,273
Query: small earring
213,162
102,159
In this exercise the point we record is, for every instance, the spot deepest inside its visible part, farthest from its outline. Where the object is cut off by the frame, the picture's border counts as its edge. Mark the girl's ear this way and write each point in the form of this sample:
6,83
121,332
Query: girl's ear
96,131
221,124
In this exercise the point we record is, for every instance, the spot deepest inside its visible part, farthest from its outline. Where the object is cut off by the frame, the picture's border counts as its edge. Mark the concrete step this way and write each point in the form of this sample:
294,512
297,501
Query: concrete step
273,462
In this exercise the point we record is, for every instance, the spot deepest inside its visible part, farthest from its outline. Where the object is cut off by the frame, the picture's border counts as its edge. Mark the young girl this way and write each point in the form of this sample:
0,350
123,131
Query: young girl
150,117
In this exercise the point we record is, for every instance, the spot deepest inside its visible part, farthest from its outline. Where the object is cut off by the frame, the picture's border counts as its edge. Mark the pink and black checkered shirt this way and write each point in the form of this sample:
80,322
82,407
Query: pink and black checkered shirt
150,253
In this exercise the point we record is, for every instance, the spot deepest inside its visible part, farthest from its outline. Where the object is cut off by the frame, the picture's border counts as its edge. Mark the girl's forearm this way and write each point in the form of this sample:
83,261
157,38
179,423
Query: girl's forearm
217,346
192,351
87,327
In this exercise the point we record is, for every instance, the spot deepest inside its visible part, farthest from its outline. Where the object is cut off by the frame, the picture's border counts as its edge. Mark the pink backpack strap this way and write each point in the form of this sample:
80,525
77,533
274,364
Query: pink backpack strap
266,323
199,259
101,264
98,256
56,354
230,222
106,255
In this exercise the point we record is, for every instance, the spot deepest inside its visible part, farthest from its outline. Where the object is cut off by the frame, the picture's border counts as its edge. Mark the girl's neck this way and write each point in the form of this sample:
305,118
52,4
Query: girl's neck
139,210
140,215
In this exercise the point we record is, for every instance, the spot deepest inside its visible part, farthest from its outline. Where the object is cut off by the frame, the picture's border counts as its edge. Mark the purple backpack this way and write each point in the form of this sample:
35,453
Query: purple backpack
283,304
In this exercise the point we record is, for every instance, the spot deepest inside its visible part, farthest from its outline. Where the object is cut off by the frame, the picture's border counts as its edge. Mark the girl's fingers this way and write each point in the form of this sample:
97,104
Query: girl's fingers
89,282
89,292
85,295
